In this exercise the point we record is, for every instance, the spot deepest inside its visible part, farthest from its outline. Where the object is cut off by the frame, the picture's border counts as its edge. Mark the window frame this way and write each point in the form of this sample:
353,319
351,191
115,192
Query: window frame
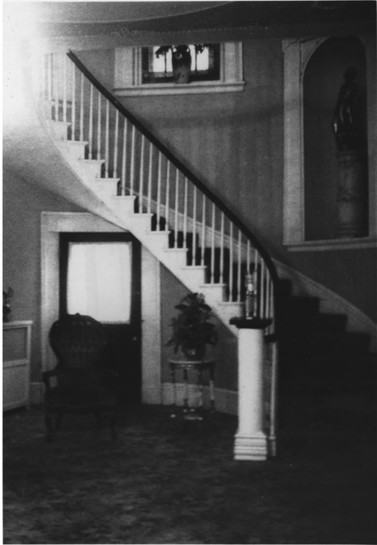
128,74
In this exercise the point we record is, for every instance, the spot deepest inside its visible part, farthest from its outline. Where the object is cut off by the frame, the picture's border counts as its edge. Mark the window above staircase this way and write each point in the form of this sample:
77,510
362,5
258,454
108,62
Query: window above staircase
130,77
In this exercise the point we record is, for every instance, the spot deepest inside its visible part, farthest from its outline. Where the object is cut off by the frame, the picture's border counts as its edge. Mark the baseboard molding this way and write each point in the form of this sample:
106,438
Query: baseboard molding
330,302
226,401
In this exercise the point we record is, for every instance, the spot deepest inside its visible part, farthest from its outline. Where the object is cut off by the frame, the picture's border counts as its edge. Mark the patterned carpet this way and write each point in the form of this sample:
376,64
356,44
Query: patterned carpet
160,483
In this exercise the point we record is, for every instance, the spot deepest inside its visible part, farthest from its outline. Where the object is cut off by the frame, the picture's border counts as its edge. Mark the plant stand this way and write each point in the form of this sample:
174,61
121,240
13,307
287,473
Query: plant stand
191,399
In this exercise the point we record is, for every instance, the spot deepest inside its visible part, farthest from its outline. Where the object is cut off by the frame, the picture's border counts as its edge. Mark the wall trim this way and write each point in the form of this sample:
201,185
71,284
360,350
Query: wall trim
333,244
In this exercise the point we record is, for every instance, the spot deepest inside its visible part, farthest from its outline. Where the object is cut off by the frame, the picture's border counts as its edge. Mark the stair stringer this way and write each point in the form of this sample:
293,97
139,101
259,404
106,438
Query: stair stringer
330,302
139,224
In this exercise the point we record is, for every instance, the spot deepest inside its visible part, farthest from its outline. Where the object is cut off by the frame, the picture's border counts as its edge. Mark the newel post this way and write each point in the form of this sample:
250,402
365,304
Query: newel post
250,439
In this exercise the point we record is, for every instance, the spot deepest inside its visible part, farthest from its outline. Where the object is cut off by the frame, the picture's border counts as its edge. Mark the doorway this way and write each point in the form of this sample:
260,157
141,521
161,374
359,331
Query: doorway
100,275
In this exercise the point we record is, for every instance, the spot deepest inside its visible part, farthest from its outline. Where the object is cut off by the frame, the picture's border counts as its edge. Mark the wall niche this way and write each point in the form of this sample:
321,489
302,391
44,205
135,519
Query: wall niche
335,142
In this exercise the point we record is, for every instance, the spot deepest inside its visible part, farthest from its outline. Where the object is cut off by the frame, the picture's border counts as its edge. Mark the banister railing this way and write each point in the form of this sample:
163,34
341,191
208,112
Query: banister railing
196,217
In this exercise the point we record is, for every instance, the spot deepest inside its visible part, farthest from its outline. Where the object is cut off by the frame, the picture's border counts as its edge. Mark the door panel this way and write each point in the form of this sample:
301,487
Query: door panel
124,330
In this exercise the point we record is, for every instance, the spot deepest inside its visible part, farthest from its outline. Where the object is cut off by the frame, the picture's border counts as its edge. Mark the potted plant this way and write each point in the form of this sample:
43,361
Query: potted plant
192,328
181,59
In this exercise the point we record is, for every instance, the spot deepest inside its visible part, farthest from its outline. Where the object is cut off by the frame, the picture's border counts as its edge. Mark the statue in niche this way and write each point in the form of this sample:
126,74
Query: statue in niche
347,121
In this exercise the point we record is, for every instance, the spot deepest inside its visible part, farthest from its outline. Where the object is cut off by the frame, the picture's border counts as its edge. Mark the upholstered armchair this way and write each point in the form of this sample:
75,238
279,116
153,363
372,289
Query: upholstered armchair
80,382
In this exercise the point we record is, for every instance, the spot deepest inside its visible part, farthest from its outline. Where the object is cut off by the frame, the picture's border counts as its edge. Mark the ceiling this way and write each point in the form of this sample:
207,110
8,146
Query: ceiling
95,17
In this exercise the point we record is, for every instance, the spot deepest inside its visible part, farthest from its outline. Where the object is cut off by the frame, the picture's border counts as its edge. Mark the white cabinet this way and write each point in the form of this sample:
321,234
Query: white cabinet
16,364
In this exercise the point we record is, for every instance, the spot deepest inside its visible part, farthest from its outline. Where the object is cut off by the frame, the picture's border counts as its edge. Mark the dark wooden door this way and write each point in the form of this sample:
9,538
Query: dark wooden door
123,353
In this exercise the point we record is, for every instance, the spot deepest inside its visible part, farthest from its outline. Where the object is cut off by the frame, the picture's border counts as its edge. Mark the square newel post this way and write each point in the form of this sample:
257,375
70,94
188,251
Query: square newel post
250,439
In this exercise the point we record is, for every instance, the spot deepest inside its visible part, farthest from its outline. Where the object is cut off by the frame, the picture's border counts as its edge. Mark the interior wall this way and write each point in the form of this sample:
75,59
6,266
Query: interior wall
234,143
22,207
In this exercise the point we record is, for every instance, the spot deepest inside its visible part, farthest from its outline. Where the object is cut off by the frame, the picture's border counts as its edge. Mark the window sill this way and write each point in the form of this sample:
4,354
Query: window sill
334,244
181,88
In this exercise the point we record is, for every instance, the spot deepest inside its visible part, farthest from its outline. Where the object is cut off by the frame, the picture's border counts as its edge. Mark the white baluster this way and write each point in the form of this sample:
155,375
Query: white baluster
115,168
141,184
213,245
231,262
203,228
176,209
158,212
167,197
239,266
263,289
221,279
107,141
99,113
91,122
81,114
269,312
248,257
65,89
194,226
132,165
73,127
150,178
49,83
124,158
56,86
257,280
185,215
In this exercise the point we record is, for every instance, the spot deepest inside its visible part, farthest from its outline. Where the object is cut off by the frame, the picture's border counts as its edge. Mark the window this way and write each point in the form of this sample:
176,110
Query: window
158,68
216,69
93,287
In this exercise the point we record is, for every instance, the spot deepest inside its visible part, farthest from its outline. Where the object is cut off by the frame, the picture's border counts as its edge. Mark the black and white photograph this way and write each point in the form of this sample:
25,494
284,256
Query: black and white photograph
189,264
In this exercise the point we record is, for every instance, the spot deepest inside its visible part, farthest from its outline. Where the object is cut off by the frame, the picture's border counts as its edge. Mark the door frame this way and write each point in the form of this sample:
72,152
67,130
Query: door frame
54,223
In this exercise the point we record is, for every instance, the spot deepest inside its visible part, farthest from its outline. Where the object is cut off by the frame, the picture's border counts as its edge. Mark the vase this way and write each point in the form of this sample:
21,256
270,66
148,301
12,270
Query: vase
181,62
194,353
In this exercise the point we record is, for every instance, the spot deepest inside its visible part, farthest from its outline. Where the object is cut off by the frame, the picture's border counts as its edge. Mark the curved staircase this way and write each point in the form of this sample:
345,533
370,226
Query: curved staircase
147,191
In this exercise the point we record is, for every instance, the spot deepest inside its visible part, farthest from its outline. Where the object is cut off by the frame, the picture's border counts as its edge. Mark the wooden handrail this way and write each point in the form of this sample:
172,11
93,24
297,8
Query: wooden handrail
182,168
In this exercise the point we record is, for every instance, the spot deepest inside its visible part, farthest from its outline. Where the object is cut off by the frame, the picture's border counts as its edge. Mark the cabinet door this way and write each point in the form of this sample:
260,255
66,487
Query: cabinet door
16,365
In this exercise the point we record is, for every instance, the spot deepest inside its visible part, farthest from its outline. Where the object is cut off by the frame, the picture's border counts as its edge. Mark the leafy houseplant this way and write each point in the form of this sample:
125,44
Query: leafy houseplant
192,328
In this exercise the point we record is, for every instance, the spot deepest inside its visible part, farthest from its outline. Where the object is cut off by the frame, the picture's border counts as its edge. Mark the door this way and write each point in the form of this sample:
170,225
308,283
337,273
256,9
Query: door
100,277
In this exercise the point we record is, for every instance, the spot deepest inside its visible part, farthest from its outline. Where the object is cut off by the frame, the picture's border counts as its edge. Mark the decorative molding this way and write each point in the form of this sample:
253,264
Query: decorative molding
181,89
333,244
297,53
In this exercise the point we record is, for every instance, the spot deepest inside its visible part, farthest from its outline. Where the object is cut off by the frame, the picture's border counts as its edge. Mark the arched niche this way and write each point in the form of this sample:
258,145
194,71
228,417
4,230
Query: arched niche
323,77
312,78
